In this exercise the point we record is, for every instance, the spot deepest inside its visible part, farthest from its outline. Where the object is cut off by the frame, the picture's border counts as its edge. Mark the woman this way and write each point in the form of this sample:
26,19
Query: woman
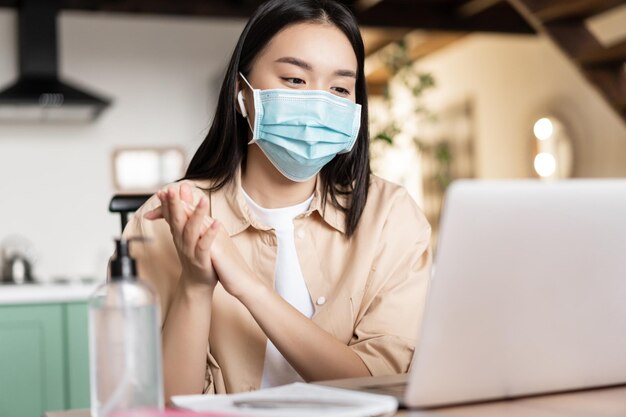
279,258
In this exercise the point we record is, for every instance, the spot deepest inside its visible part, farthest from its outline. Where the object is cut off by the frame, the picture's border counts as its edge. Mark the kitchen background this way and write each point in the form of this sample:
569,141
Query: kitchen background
458,88
162,74
56,180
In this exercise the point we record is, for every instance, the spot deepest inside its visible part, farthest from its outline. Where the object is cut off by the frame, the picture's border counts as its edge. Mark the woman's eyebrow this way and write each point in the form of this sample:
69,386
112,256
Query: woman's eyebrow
295,61
306,66
345,73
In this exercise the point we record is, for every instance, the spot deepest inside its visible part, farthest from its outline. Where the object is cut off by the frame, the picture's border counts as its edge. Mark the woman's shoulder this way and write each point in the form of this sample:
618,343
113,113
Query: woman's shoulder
392,206
380,187
386,193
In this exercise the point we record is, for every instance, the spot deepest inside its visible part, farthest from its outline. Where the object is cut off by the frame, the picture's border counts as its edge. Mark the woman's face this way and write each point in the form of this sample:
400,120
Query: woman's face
305,56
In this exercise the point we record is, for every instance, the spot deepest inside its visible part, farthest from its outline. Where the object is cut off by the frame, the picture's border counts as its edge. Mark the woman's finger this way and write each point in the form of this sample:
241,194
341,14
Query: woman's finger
166,204
154,214
157,213
195,227
165,209
206,240
178,217
185,193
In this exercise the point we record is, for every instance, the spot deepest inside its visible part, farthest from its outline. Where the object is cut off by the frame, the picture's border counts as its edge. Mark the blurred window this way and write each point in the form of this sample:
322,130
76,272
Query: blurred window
141,170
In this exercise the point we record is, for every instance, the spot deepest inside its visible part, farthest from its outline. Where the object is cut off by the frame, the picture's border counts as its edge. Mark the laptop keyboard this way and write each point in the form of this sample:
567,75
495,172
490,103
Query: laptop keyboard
396,390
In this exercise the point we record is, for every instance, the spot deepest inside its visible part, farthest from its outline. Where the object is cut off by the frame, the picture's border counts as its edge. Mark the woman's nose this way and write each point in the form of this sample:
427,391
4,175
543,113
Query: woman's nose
317,85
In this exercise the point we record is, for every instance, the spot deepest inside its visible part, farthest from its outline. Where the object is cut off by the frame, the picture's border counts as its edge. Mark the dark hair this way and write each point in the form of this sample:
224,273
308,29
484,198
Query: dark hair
225,146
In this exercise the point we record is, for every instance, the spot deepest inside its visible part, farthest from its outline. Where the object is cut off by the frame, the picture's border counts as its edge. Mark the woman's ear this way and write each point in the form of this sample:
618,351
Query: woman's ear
242,105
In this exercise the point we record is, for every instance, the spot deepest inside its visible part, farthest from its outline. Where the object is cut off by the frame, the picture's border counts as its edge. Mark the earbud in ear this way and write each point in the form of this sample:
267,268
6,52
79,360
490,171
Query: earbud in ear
242,106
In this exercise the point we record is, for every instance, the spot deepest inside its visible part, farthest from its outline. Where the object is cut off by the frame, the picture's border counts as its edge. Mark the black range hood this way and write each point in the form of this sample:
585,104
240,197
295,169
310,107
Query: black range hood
39,95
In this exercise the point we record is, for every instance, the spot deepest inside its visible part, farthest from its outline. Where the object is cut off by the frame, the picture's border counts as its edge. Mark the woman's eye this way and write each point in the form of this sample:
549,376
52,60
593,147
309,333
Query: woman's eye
342,91
292,80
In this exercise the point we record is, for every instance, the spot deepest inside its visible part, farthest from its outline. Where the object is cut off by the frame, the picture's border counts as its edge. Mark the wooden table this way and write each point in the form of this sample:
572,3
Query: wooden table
610,402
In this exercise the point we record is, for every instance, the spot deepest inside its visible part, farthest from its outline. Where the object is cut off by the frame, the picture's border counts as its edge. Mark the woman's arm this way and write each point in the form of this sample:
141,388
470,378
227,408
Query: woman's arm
186,328
185,339
387,321
313,353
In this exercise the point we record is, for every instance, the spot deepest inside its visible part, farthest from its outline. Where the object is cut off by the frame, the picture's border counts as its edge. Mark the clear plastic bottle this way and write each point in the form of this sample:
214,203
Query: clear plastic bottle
124,342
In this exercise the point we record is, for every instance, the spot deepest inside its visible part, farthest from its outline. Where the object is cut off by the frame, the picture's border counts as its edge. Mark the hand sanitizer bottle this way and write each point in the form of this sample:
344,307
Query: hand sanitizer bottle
124,341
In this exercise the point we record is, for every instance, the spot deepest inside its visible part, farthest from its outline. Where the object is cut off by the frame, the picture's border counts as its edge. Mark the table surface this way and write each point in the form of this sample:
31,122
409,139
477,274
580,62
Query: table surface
608,402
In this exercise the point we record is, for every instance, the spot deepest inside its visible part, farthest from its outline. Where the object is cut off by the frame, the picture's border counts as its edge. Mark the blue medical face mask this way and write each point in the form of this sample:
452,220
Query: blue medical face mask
300,131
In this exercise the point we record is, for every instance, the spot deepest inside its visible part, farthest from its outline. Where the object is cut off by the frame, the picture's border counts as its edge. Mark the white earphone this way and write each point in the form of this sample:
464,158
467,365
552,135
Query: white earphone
242,107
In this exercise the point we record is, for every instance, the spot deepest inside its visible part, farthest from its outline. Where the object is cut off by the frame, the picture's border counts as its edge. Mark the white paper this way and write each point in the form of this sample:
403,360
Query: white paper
294,400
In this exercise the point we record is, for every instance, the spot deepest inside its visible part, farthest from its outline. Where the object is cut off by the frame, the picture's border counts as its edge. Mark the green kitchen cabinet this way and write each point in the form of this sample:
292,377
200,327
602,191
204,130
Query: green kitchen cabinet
44,363
77,360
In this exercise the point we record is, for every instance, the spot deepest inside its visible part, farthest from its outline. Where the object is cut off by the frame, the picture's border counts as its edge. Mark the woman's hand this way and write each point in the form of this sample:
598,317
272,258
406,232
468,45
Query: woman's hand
192,230
207,254
237,278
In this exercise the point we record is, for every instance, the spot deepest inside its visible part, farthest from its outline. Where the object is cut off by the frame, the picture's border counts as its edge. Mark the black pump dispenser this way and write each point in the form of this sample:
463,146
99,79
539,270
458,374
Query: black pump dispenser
123,266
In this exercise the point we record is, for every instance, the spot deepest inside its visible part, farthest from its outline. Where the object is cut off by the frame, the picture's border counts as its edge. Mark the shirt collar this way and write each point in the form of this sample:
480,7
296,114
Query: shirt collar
228,206
329,213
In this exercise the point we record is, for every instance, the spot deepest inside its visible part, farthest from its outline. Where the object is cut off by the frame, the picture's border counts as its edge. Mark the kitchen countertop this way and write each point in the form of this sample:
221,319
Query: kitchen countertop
45,293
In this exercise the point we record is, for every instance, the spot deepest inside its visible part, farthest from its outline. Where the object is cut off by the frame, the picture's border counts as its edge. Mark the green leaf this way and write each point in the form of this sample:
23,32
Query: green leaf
384,137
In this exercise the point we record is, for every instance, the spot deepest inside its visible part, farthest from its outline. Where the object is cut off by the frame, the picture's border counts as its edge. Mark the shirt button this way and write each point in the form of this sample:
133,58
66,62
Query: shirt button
300,234
321,301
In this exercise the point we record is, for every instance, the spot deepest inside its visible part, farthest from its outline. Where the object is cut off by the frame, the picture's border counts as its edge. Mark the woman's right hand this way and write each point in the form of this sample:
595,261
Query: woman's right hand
193,232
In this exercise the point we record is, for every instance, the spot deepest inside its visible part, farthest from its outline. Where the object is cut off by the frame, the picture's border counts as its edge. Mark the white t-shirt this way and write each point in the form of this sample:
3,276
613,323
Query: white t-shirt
288,282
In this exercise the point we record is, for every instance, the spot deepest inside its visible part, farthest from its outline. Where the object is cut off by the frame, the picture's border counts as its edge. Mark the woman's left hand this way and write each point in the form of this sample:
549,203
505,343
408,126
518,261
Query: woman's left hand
233,271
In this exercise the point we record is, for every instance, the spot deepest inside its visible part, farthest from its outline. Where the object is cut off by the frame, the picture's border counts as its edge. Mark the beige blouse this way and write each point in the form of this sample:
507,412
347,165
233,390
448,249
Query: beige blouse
368,290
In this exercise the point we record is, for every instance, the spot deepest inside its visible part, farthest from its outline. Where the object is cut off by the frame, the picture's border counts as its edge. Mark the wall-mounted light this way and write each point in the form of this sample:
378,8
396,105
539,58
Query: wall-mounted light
543,128
553,157
545,164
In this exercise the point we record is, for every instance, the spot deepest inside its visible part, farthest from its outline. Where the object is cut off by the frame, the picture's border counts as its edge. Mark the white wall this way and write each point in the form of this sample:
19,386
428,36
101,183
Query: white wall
513,80
55,181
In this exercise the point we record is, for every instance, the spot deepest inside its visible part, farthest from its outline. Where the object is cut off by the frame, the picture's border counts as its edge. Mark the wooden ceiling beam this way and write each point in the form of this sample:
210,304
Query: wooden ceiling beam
611,80
474,7
603,67
582,46
574,38
220,8
204,8
613,54
377,38
412,16
444,16
553,10
501,18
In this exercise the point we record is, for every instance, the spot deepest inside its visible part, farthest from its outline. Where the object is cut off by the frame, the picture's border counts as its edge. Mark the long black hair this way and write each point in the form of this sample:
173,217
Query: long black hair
225,146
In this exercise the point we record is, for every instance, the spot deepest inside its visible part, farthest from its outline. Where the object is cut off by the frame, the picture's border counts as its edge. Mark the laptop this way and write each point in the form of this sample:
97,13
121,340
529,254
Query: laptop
528,295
